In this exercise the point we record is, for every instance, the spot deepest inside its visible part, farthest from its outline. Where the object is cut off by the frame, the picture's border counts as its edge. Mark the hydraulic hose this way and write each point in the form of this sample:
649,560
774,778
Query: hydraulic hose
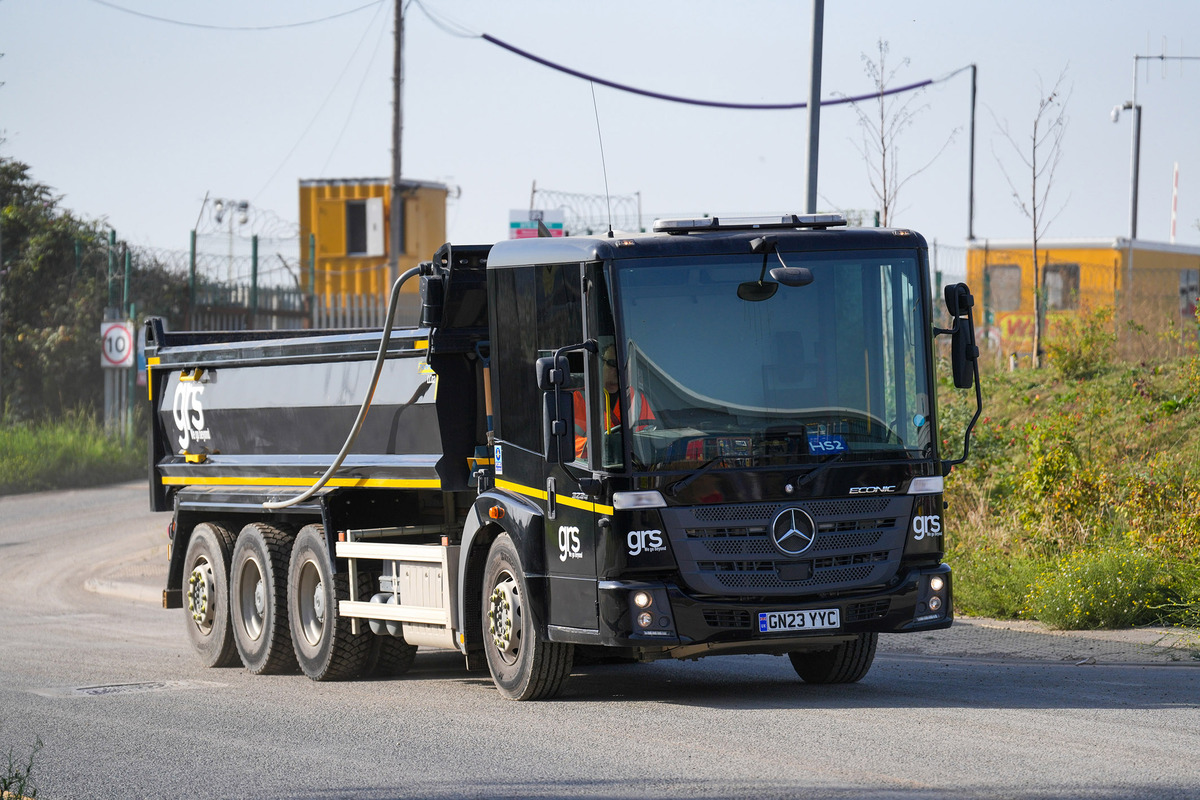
393,300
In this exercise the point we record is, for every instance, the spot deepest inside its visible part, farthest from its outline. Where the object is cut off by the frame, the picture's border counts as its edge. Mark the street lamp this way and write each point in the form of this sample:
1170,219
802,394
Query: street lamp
235,209
1134,158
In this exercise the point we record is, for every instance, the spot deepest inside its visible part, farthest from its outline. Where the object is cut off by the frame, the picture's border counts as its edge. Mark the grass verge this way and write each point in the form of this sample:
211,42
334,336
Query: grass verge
1080,505
69,453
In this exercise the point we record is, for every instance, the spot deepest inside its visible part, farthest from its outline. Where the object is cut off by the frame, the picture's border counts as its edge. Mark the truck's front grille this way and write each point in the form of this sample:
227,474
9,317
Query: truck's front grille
858,542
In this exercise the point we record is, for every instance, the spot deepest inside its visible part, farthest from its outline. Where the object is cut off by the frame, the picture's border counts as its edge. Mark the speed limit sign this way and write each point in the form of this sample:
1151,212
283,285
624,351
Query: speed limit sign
116,348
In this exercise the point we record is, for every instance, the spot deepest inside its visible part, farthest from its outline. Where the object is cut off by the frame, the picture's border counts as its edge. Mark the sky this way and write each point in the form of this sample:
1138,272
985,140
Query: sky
137,121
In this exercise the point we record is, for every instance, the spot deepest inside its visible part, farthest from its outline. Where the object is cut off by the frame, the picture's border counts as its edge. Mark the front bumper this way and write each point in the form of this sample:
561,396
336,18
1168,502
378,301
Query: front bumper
680,620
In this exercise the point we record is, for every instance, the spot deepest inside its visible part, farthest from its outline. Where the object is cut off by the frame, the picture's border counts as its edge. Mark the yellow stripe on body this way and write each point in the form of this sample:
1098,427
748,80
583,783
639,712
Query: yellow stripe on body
563,499
356,483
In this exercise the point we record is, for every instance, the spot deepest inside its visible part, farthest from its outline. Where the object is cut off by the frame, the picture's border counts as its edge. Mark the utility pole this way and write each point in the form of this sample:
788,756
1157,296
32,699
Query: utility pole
397,203
971,166
2,273
814,106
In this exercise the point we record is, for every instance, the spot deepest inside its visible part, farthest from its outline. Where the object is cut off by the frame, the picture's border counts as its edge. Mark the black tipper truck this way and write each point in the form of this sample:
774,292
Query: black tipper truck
719,437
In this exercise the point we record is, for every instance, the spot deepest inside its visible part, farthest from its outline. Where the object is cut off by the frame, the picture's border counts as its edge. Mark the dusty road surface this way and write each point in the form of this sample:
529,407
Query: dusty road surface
94,667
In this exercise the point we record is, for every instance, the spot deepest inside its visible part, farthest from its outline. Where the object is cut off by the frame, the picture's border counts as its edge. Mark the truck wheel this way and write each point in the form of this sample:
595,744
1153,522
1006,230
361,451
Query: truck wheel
206,570
258,599
325,648
846,663
522,667
390,657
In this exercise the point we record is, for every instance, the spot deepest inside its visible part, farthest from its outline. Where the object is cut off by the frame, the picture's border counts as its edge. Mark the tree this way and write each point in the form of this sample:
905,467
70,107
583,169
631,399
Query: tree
1041,161
56,287
881,122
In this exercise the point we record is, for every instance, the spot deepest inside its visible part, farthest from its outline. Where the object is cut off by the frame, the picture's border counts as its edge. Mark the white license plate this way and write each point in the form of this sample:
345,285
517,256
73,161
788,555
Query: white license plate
784,621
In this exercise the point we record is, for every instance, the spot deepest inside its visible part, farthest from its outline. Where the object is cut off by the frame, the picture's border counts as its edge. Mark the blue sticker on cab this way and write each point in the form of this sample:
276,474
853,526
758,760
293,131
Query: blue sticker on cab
824,445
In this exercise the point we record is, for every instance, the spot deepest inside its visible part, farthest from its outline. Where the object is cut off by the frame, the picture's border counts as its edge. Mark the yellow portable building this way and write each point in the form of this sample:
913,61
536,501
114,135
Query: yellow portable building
1154,284
344,234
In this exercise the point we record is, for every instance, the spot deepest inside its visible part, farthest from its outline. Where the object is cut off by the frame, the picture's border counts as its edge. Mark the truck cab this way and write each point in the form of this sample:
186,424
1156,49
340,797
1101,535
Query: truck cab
719,437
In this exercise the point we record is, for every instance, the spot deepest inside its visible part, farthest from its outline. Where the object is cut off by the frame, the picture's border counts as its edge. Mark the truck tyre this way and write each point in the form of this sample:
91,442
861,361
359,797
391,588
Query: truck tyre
522,666
258,599
206,574
325,648
848,662
390,657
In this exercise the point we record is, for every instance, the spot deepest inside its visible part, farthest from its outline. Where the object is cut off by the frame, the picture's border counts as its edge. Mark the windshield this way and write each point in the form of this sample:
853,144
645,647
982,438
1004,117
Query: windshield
833,368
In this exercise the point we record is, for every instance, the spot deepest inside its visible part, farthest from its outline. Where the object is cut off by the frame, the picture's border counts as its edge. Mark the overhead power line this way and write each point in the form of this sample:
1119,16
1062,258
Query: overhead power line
456,29
280,26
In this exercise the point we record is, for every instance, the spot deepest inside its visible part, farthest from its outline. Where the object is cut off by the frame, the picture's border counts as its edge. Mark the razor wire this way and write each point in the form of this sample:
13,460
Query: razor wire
586,214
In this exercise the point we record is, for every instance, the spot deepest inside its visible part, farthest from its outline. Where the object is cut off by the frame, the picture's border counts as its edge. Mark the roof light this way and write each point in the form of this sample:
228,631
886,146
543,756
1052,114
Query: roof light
681,225
748,223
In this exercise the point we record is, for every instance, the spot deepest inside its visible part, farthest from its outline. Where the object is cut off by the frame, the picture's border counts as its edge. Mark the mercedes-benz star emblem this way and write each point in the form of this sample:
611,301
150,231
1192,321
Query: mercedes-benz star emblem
793,531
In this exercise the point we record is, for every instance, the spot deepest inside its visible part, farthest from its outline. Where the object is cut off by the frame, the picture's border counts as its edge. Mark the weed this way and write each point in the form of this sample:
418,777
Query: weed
17,781
1108,587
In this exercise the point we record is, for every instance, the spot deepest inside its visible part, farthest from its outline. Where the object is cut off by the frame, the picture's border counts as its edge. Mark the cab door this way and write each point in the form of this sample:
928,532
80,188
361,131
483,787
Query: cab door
570,520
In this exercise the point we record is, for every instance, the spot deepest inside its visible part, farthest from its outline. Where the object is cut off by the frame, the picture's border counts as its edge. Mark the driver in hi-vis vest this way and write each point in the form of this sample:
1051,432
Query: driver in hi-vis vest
611,404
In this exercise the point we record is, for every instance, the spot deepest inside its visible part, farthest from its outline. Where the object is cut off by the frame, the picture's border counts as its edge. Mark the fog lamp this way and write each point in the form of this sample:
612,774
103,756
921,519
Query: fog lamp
642,599
937,583
935,603
645,619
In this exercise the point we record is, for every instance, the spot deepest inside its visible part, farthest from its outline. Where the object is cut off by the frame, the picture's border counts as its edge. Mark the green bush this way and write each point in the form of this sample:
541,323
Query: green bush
1110,587
1081,345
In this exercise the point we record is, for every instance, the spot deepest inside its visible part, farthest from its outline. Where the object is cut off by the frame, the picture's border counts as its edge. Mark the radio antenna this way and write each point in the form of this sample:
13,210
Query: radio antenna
603,166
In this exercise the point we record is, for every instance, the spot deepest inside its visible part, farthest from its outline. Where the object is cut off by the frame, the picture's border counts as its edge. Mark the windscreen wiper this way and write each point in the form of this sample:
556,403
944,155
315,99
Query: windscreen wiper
684,482
807,479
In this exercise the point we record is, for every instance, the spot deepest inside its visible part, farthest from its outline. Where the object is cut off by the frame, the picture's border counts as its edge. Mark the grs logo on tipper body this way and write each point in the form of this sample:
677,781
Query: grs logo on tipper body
188,412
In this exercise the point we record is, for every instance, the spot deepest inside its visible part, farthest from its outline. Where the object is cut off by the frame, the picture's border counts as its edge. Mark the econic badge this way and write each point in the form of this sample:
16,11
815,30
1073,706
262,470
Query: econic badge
116,344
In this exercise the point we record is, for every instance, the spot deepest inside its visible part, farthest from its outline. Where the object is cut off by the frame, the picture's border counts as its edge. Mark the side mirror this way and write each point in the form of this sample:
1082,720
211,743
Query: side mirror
958,299
963,354
558,404
963,351
552,371
964,357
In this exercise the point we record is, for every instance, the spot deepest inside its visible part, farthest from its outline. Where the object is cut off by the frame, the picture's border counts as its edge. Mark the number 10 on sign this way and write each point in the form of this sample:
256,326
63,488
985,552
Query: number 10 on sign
116,349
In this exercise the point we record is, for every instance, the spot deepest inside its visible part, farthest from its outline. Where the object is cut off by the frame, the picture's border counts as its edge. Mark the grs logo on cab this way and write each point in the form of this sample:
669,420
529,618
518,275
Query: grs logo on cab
568,543
645,542
923,526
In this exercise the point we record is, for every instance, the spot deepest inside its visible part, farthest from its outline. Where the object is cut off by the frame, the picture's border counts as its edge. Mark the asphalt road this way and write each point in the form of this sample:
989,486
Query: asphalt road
93,666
